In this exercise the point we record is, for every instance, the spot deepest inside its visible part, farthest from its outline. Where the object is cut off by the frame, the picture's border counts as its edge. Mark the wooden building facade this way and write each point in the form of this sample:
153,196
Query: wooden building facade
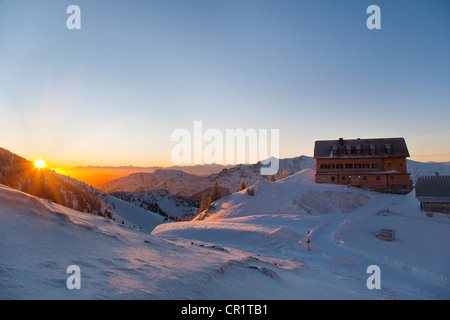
376,164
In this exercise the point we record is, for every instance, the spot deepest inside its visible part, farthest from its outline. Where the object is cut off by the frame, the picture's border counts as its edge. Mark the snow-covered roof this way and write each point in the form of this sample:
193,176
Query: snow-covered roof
356,148
428,187
434,199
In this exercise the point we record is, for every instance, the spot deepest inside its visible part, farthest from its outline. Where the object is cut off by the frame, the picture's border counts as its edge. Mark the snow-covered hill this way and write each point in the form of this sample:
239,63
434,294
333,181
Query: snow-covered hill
19,173
162,202
39,240
342,223
247,257
231,178
417,169
297,194
175,181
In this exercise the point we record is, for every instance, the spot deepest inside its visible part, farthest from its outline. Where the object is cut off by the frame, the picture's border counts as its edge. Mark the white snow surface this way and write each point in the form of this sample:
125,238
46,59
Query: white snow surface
249,247
343,223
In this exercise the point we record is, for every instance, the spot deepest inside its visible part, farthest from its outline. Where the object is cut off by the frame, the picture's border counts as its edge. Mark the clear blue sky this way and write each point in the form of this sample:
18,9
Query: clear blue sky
113,92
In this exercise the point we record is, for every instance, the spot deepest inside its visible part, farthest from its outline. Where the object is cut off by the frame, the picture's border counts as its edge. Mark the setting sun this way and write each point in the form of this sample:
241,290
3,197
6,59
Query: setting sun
40,164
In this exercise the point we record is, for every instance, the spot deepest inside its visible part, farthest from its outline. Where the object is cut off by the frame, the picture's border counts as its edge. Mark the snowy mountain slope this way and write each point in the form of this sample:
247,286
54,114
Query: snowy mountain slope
176,182
231,178
39,240
162,202
417,169
19,173
132,215
343,223
282,197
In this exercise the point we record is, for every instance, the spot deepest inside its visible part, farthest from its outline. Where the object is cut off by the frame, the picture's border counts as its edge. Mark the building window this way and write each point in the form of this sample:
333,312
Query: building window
357,166
389,165
366,165
331,166
400,164
378,178
392,178
333,178
343,178
339,166
323,166
364,177
348,166
374,165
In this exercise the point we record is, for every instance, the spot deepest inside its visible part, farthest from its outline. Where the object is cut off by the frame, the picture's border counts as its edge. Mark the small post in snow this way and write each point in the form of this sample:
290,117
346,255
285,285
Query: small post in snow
308,241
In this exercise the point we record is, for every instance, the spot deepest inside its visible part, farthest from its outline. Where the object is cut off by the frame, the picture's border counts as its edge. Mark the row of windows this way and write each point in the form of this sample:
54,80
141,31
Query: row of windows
350,166
355,166
344,178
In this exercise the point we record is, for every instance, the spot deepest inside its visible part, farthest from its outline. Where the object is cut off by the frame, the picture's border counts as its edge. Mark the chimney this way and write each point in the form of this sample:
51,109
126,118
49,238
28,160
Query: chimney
341,141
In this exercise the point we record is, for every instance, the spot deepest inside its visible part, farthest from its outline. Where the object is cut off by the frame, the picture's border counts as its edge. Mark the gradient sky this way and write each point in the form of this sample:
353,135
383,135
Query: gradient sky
113,92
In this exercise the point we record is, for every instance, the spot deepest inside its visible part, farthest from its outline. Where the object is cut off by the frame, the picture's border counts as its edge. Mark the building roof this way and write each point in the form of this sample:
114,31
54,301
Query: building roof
433,188
434,199
361,148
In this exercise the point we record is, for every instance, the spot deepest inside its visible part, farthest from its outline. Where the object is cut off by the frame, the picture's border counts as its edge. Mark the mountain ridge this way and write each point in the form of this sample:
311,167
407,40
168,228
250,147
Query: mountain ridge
20,174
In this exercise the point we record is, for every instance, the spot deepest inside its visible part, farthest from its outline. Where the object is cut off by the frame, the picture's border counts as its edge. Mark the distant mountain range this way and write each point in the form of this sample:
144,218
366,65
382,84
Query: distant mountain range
192,187
417,169
96,175
200,169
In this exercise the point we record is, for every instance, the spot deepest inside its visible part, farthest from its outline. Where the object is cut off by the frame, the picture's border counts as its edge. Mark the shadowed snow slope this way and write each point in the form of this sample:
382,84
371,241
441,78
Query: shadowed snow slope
39,240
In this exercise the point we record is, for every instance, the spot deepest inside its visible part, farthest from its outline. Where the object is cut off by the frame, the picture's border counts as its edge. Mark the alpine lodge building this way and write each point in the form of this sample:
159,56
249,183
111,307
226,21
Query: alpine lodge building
375,164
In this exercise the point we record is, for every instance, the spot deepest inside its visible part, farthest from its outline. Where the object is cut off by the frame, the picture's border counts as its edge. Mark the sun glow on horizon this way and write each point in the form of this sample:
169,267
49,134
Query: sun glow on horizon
40,164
